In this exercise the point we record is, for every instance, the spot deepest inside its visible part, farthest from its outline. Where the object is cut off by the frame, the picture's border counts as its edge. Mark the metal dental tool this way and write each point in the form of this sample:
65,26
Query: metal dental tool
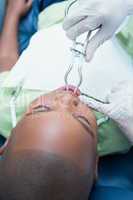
76,61
95,99
78,52
78,56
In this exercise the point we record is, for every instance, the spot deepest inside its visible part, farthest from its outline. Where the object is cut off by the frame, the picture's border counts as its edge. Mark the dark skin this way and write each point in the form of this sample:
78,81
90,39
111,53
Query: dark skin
9,35
58,122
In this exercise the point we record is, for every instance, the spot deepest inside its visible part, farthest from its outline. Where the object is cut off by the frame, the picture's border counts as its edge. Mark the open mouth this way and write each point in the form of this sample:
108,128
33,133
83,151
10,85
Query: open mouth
72,89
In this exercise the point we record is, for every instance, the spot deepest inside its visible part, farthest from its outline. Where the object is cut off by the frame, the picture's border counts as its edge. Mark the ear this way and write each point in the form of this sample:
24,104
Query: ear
3,148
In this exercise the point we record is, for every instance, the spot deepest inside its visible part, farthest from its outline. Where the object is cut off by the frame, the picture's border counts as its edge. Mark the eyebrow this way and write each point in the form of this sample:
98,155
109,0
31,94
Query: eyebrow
76,117
87,127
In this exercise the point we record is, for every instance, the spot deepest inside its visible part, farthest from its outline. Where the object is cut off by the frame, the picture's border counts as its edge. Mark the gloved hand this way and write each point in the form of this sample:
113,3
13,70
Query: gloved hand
88,15
119,108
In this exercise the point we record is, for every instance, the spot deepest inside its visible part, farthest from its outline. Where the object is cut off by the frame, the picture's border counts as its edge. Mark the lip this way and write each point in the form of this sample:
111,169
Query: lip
71,88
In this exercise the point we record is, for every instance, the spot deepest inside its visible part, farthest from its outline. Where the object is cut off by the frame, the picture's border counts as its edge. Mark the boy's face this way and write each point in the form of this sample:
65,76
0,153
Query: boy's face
59,123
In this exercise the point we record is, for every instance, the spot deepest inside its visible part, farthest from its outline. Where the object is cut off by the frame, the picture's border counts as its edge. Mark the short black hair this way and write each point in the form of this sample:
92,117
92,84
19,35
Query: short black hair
35,175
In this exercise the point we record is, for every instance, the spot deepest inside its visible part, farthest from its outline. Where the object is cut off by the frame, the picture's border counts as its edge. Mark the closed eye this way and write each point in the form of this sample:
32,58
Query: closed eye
85,123
41,108
83,120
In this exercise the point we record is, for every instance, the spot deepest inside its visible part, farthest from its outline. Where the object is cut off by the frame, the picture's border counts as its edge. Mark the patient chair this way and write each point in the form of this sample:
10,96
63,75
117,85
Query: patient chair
115,179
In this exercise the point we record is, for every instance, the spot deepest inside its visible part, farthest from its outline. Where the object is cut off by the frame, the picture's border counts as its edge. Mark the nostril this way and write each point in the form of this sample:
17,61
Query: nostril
75,103
69,100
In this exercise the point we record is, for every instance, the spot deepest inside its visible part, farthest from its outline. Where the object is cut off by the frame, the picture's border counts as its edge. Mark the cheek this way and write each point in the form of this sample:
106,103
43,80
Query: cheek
88,140
87,152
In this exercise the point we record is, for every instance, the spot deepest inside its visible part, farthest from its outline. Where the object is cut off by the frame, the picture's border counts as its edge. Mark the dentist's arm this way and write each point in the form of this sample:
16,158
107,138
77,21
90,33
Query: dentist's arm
120,107
87,15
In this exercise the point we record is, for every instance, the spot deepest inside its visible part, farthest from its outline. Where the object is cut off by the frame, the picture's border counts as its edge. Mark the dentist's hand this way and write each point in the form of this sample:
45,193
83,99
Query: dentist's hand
120,107
88,15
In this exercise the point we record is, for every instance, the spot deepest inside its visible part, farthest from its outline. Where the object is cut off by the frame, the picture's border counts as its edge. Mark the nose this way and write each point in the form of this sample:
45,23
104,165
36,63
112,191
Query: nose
69,101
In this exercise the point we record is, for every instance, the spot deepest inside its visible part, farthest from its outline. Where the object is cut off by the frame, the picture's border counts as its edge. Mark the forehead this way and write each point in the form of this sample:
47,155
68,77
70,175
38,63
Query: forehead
61,120
53,132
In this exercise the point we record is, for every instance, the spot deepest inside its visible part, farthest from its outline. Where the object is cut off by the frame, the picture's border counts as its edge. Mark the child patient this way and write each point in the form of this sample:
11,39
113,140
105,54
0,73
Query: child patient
51,153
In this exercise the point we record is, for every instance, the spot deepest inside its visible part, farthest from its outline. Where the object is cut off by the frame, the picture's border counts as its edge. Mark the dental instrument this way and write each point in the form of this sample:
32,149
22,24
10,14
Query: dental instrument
94,98
104,118
78,54
77,60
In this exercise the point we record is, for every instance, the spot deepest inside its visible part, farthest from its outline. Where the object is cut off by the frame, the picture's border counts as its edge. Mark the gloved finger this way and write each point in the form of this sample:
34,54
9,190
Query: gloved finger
78,29
107,98
120,86
73,19
98,39
83,26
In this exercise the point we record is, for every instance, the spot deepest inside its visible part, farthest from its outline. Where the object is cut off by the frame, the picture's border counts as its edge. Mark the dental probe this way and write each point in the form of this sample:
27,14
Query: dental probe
95,99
